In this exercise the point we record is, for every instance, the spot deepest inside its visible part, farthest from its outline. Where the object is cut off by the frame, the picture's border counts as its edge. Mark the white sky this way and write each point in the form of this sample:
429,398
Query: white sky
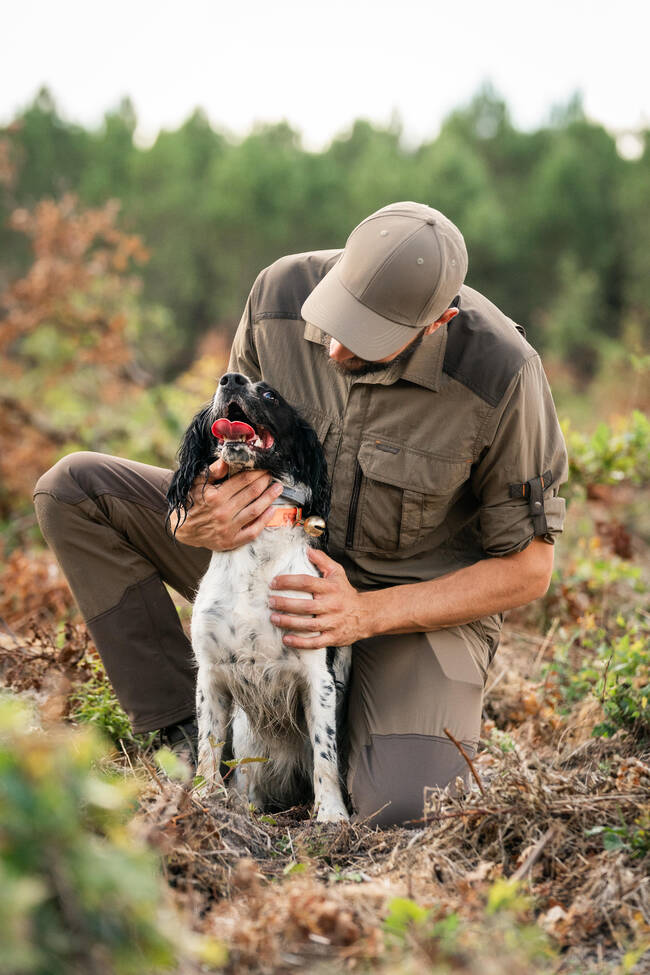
320,66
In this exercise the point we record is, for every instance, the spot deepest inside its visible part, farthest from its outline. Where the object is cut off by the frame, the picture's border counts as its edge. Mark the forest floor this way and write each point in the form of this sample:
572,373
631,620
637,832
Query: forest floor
543,865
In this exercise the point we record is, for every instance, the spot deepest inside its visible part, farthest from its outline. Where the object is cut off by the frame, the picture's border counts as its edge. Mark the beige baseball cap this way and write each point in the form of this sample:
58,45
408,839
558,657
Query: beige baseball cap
400,270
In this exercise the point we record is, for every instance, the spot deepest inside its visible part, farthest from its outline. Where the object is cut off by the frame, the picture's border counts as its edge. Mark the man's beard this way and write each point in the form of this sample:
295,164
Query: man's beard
364,367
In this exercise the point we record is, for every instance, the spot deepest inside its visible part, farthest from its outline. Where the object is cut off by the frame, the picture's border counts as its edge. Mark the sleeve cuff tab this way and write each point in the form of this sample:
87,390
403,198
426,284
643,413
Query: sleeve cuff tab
533,492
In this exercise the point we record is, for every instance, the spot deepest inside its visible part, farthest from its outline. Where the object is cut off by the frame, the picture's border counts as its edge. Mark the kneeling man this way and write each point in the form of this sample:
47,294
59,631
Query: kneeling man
445,456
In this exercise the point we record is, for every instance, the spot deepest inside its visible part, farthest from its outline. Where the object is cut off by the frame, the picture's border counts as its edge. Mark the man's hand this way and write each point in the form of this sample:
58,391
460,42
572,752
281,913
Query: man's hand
337,611
227,515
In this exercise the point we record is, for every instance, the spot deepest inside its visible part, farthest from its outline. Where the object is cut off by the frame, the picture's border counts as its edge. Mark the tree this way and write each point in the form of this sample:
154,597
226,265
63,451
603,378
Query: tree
64,351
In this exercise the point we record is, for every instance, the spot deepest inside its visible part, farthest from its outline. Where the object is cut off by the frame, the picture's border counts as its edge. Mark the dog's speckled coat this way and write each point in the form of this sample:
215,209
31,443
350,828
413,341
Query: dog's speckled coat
283,704
286,698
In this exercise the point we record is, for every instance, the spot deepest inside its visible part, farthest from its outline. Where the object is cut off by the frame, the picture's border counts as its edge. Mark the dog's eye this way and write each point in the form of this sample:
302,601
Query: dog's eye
270,396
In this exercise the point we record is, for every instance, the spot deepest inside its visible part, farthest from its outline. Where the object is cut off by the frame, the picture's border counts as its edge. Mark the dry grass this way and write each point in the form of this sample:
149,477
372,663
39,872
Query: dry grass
283,886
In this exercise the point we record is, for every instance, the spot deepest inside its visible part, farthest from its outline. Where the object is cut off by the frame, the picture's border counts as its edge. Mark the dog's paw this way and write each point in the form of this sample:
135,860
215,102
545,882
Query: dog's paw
332,813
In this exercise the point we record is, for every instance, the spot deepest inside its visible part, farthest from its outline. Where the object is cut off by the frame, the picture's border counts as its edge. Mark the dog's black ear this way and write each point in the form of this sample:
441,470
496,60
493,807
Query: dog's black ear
197,451
311,460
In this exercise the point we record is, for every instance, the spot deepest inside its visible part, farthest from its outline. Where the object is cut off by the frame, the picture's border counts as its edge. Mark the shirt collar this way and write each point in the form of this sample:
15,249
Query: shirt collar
424,367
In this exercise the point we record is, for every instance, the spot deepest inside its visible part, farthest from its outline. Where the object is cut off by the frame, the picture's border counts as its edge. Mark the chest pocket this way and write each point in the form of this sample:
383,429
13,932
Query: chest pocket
404,494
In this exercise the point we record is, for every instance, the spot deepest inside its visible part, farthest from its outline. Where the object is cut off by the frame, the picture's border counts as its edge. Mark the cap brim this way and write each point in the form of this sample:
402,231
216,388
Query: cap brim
368,335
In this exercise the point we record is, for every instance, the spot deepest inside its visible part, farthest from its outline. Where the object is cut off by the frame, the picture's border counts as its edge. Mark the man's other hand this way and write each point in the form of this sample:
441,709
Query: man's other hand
336,612
226,515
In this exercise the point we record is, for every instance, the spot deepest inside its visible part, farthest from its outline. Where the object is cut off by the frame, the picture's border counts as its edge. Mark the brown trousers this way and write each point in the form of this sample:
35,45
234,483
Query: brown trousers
104,519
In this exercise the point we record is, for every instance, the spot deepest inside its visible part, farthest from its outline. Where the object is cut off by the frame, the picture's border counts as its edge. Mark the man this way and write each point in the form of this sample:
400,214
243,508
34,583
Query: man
445,456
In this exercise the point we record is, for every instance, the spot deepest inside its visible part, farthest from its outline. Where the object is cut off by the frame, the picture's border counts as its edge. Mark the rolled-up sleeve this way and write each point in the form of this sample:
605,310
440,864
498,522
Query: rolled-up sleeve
519,473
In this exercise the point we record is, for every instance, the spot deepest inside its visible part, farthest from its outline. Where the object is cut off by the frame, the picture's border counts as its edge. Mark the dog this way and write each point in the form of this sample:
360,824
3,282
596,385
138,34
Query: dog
281,705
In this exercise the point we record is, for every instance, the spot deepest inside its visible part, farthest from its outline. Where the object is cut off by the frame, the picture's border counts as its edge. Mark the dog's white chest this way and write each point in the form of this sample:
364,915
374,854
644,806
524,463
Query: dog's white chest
231,620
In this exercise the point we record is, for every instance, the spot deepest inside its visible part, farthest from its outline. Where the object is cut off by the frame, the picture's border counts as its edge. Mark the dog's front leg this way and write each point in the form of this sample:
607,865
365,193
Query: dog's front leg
320,711
213,710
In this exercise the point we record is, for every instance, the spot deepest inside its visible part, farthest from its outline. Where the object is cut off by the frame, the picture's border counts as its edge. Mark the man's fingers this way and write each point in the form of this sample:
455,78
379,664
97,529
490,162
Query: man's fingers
218,470
323,562
248,484
224,494
252,530
306,623
300,607
256,508
312,584
259,491
304,642
231,485
234,485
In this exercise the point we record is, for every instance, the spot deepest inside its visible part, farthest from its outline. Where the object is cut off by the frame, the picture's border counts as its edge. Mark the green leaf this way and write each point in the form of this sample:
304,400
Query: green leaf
612,840
234,762
268,820
294,867
402,913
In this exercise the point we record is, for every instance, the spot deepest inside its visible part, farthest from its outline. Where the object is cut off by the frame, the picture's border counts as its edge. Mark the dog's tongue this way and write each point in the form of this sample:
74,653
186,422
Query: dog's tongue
225,430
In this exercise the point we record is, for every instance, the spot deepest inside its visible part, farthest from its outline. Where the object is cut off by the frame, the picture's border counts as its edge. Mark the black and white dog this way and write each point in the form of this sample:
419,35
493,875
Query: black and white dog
283,705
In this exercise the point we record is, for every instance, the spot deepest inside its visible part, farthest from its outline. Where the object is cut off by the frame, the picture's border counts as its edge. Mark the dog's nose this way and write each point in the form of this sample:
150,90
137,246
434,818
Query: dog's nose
232,380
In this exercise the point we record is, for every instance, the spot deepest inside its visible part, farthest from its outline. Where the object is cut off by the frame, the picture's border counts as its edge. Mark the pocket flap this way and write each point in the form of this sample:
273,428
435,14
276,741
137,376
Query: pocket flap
555,511
410,469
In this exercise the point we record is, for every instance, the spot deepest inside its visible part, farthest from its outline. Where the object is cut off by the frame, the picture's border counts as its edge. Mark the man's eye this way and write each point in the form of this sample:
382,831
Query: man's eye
269,395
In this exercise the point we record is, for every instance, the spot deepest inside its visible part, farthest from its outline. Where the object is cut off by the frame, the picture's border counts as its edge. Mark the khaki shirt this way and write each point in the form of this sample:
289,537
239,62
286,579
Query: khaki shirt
429,460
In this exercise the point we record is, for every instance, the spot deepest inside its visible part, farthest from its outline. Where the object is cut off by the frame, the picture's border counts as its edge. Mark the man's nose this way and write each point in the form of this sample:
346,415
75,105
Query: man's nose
233,380
339,352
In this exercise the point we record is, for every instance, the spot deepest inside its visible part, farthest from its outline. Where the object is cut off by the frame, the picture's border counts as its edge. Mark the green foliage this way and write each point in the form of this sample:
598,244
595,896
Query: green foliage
77,894
404,913
449,942
594,571
634,838
569,320
612,663
612,454
622,675
95,703
500,742
505,895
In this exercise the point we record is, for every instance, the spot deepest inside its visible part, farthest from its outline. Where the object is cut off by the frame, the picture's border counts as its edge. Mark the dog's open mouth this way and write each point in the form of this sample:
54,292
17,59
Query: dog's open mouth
235,427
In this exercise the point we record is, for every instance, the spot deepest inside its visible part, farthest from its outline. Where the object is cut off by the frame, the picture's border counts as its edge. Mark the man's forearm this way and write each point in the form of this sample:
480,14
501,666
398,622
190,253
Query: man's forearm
489,586
341,615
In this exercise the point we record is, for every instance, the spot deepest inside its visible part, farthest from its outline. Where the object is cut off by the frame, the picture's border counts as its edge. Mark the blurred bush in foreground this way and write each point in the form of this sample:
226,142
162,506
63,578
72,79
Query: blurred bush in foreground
77,894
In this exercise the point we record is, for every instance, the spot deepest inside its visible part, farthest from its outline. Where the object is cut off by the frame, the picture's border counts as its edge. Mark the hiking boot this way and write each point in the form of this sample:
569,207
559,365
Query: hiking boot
182,739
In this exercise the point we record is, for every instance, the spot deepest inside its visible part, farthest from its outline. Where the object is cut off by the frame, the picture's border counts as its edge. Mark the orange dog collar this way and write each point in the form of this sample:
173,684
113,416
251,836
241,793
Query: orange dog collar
284,516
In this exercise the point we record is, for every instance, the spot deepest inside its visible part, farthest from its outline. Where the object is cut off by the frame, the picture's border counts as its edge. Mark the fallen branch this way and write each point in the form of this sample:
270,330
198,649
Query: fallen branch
534,855
467,759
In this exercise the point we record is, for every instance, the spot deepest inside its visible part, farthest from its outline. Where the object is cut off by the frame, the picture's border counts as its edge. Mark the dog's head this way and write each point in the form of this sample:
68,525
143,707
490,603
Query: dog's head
250,425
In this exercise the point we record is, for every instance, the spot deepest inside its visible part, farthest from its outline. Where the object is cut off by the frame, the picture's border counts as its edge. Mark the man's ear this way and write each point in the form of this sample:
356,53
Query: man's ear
444,318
